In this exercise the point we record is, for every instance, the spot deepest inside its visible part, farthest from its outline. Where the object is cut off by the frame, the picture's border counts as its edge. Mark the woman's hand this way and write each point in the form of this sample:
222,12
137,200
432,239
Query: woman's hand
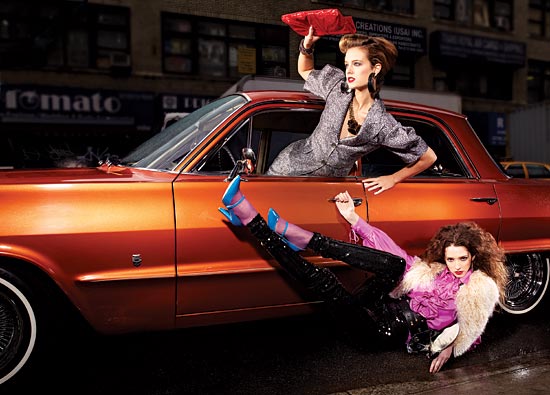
305,62
381,184
441,359
344,203
310,39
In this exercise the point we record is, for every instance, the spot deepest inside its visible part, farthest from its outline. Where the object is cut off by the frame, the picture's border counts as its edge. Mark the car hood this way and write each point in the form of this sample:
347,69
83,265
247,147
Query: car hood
83,175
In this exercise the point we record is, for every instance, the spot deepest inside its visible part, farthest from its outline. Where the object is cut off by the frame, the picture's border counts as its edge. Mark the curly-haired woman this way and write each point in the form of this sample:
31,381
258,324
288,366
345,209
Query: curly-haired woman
438,303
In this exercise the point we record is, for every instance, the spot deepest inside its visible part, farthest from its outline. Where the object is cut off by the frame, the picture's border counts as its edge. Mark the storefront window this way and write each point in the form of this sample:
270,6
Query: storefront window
112,38
481,82
444,9
55,56
222,49
476,66
107,18
178,64
53,34
212,58
399,6
177,25
78,54
402,75
496,14
539,18
481,13
238,31
503,13
211,29
538,81
178,45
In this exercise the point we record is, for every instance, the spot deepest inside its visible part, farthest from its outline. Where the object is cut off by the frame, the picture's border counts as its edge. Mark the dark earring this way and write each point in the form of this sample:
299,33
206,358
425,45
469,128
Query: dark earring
371,83
344,87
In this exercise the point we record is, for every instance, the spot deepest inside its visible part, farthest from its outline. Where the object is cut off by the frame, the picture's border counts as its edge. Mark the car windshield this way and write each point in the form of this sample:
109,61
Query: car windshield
169,147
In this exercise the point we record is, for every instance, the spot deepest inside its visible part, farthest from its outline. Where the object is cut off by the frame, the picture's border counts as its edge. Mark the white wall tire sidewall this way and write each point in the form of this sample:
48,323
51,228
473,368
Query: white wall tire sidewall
539,299
32,322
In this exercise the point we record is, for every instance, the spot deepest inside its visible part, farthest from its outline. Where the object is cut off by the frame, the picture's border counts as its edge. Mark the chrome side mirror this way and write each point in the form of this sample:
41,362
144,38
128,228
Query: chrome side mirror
249,160
246,165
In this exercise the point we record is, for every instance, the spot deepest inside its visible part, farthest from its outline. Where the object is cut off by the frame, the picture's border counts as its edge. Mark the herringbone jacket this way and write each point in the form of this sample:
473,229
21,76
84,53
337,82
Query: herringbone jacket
324,153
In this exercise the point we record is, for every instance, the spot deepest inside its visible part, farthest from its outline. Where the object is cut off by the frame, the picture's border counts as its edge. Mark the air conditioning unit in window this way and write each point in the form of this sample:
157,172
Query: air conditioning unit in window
120,60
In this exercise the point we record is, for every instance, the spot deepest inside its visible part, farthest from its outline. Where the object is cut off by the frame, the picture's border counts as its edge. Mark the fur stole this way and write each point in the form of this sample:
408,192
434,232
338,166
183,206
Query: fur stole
475,301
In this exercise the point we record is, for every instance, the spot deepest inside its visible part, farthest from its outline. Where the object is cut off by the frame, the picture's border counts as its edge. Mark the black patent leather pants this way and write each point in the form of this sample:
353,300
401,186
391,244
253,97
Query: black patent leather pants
369,308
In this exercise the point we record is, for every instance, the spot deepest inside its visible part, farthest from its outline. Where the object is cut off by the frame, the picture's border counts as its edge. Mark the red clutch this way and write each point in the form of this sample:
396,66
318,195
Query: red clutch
325,22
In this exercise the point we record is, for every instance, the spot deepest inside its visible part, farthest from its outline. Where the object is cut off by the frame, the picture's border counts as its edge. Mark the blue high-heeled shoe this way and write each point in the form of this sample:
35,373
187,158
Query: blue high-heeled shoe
230,215
227,197
230,192
272,219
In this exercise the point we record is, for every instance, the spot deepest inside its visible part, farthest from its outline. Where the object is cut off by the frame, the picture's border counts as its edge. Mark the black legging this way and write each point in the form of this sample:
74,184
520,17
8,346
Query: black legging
366,307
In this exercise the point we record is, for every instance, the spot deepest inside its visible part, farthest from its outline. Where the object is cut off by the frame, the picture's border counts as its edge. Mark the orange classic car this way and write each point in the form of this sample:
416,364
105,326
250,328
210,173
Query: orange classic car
138,244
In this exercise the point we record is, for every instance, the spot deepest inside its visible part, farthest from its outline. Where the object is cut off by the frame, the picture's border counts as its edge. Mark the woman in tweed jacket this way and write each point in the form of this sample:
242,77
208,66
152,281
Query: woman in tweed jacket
438,304
354,121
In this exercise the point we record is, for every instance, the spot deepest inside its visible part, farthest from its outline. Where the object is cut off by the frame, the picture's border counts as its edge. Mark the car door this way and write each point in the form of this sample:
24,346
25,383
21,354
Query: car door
223,273
412,211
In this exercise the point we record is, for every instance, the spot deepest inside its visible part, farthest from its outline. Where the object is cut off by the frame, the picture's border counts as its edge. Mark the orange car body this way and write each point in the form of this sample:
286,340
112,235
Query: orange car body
136,248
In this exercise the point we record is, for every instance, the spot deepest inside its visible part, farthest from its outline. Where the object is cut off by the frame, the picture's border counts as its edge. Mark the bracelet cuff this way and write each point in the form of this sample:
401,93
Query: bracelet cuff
303,50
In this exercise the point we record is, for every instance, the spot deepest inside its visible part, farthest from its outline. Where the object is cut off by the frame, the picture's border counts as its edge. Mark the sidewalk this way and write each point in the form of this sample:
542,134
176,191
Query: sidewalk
524,374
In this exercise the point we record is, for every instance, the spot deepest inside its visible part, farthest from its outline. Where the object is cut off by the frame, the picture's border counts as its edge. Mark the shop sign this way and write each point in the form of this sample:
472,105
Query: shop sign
48,104
247,60
184,103
497,129
483,49
407,39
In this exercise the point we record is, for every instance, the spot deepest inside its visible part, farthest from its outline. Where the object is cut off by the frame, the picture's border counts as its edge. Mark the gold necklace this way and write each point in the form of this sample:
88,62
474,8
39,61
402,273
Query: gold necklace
353,126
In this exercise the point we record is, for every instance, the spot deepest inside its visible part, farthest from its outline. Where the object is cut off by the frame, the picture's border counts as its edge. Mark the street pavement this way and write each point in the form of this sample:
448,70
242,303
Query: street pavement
524,374
293,356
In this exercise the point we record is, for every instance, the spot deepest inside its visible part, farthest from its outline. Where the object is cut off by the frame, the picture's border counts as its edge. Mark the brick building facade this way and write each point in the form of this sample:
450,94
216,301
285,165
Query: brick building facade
91,78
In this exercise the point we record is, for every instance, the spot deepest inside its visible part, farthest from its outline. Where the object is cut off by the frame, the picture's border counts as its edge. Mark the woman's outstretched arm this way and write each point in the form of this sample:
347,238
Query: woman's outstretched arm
305,61
344,203
383,183
372,236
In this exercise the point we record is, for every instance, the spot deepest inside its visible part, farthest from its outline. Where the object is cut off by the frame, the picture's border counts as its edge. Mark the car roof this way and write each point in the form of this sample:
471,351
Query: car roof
260,95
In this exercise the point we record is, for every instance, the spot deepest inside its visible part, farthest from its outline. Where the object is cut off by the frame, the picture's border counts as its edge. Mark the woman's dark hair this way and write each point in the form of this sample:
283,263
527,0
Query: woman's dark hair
489,257
379,50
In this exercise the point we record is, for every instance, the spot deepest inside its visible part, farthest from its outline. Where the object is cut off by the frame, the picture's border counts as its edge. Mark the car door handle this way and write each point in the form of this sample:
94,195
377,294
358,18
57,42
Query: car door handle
489,201
356,201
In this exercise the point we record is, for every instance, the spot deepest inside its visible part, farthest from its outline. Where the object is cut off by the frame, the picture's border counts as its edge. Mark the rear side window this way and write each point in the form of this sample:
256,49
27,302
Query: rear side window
448,164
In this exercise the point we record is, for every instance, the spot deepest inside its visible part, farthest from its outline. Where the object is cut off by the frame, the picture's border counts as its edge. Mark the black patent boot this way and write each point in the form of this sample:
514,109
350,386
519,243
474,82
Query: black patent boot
369,259
352,317
319,280
387,269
